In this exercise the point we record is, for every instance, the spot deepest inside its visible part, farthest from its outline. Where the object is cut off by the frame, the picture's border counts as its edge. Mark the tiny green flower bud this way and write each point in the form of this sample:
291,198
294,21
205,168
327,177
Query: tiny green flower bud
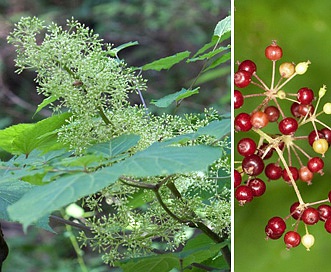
322,91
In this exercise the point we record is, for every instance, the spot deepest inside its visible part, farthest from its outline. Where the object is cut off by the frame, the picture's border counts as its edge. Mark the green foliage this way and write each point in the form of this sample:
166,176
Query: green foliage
144,179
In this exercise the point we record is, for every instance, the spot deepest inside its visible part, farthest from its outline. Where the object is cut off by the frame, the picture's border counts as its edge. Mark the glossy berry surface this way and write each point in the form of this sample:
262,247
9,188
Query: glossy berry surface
288,126
294,172
315,164
272,113
257,185
292,239
238,100
243,194
275,228
259,119
237,178
242,122
253,165
324,212
305,96
310,216
248,66
246,147
242,79
295,211
273,51
327,225
273,171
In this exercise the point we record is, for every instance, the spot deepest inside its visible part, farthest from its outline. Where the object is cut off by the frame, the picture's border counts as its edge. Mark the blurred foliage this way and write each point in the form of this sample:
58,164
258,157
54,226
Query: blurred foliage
301,30
161,27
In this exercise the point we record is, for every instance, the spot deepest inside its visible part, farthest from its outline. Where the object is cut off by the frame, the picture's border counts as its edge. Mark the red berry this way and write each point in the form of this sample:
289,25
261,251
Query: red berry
248,66
237,178
243,194
315,164
306,110
242,79
295,212
292,239
272,113
257,185
305,174
242,122
259,119
253,165
327,134
310,216
263,153
288,126
329,196
305,96
324,211
327,225
294,171
273,171
273,51
246,146
275,228
295,109
238,99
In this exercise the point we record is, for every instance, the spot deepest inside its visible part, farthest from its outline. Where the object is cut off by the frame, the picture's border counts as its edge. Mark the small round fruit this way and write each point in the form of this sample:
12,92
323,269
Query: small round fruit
324,211
308,241
302,67
292,239
320,146
315,164
238,100
275,227
273,51
294,172
310,216
243,194
288,126
248,66
273,171
295,211
286,69
327,225
305,96
259,119
237,178
305,174
327,134
313,136
242,122
272,113
253,165
295,109
242,79
246,146
257,185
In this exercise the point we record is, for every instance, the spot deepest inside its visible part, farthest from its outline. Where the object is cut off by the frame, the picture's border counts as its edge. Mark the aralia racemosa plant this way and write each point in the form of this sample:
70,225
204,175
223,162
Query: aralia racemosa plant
281,155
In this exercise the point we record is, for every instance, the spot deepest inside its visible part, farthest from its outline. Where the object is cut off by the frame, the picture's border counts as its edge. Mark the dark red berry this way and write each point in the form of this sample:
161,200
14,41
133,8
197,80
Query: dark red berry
242,122
292,239
272,113
324,211
295,109
273,51
327,134
288,126
237,178
257,185
310,216
306,110
305,96
327,225
295,212
253,165
264,152
248,66
273,171
315,164
275,228
242,79
238,99
243,194
294,171
329,196
246,146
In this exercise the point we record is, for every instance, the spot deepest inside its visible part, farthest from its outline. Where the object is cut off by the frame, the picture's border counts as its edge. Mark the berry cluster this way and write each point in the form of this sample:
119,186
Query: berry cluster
286,113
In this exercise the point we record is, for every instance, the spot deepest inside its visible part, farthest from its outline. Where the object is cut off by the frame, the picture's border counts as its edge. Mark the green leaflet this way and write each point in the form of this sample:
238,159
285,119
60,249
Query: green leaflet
167,62
155,160
168,99
23,138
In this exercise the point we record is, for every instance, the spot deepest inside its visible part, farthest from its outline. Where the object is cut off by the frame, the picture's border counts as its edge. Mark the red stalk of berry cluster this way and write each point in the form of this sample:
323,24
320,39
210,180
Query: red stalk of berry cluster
286,142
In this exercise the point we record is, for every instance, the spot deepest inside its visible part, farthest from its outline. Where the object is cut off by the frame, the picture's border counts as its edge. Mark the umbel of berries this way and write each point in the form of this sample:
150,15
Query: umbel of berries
272,147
